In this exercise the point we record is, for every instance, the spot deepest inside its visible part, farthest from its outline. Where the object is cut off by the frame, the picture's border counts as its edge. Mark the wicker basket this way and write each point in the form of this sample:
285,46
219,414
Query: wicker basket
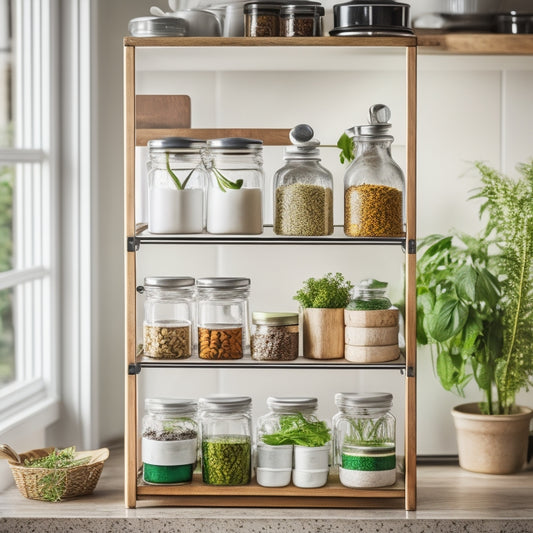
68,482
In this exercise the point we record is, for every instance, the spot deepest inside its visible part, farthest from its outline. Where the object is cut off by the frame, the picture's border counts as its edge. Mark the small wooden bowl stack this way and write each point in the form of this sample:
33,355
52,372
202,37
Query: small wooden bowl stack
371,336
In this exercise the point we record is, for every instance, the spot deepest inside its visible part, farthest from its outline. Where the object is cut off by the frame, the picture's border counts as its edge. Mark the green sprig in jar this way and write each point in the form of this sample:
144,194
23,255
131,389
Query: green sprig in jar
226,427
369,295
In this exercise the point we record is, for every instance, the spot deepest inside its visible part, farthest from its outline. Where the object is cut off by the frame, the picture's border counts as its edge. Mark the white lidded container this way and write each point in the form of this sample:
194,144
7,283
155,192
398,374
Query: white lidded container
235,187
176,185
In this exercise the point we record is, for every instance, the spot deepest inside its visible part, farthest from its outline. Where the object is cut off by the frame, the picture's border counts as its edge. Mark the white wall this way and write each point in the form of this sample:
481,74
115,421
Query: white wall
470,108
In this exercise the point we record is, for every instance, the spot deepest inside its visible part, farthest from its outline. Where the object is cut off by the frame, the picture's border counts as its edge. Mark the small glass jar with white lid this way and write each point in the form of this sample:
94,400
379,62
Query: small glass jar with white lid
226,429
275,336
223,317
364,433
169,440
169,317
176,185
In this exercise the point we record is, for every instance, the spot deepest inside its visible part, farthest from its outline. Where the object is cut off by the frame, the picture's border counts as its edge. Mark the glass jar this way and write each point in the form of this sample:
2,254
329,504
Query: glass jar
369,295
223,318
301,20
176,186
374,184
235,190
226,428
261,19
169,317
303,189
365,439
169,440
275,336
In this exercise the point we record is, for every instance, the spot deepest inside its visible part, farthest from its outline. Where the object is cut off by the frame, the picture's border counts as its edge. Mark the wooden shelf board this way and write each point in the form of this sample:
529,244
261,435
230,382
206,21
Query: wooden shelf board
362,41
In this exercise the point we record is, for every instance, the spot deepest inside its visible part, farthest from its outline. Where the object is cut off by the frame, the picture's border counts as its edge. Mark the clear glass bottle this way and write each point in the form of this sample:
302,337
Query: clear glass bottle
369,295
176,186
169,317
226,429
235,189
303,189
364,433
303,20
169,440
374,184
275,336
261,19
223,318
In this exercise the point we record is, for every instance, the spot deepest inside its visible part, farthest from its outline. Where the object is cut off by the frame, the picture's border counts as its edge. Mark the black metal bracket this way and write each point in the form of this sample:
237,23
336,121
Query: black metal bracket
411,246
132,244
134,369
410,372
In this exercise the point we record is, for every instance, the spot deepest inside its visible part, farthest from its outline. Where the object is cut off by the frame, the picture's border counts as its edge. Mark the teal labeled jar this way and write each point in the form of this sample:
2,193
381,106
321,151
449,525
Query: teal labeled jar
169,440
226,429
364,435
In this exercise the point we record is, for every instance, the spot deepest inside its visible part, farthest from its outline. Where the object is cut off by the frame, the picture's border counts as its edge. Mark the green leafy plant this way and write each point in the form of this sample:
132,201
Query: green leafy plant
224,183
367,432
180,186
346,146
330,292
475,295
297,430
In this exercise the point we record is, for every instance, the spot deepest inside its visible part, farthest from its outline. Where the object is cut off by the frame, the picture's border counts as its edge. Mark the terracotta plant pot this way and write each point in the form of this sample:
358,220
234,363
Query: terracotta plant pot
323,333
491,444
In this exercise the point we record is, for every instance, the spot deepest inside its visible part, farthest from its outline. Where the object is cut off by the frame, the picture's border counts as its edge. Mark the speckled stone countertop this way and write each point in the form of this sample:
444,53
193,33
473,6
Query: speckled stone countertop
449,500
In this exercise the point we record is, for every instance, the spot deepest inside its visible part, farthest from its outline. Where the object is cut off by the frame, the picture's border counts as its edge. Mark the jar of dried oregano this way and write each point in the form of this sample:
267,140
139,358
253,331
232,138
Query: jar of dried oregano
374,184
168,317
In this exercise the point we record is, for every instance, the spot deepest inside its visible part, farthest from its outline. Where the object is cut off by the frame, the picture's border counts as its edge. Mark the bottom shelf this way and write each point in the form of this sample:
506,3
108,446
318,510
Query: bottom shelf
333,494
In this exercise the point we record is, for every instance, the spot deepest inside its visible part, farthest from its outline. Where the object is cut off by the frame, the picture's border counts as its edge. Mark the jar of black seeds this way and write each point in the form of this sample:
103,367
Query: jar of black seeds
364,436
275,336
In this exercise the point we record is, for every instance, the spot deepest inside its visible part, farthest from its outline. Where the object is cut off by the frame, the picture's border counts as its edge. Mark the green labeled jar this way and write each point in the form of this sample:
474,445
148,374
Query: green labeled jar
226,426
364,435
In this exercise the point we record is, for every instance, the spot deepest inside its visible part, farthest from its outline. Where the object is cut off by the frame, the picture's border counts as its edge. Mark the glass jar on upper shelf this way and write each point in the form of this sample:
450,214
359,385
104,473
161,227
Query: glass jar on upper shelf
364,436
303,189
176,185
374,184
235,189
169,317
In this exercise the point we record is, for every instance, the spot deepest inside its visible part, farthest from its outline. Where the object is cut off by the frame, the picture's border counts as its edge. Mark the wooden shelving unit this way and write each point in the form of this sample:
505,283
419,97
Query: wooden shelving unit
137,131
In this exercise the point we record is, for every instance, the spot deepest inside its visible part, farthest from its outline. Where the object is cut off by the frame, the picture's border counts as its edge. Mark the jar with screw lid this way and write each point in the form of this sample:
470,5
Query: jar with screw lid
226,429
169,317
303,189
301,20
374,184
176,185
169,440
275,336
364,433
223,318
235,188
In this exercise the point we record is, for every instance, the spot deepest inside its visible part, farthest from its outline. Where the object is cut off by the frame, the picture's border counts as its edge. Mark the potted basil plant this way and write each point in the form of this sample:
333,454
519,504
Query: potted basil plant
475,310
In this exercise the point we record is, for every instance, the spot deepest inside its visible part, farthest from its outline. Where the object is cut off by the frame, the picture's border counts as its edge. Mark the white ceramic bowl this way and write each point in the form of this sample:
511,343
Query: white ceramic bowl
309,479
273,477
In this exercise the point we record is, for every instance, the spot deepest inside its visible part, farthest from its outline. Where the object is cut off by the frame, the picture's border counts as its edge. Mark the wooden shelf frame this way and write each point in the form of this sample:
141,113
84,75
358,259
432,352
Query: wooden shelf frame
253,494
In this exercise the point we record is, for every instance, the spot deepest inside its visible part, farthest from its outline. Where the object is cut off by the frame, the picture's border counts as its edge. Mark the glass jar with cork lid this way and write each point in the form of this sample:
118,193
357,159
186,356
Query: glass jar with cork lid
374,184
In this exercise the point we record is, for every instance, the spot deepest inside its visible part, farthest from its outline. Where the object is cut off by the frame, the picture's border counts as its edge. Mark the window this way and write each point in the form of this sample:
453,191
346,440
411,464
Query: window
28,207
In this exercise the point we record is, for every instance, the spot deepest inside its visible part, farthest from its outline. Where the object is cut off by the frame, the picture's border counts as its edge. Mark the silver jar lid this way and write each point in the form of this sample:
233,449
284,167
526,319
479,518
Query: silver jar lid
223,283
378,126
291,404
167,282
364,400
274,319
176,143
158,27
172,406
237,144
225,404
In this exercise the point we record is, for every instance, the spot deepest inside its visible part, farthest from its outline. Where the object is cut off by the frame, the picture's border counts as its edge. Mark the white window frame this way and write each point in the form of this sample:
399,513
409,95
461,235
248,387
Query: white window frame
32,400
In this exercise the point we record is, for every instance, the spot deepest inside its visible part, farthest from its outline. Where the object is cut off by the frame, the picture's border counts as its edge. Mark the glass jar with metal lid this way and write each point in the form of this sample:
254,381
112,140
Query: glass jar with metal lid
275,336
369,295
374,184
303,20
261,19
364,432
223,318
169,317
176,185
226,429
303,188
169,440
236,182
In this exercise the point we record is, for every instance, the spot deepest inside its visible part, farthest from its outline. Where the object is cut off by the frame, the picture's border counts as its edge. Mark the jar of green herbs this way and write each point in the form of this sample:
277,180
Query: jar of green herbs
226,426
369,295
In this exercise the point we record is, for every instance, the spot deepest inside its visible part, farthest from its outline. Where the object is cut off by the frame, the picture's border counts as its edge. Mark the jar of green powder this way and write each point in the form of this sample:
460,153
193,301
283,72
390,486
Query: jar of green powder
369,295
364,437
226,428
169,440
